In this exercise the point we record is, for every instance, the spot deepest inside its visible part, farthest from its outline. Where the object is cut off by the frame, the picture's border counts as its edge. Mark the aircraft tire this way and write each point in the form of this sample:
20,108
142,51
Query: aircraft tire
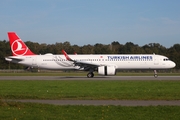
90,75
155,75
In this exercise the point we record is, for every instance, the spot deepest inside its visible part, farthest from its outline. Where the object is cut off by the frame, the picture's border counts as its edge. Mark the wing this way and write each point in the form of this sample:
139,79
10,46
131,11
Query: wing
81,64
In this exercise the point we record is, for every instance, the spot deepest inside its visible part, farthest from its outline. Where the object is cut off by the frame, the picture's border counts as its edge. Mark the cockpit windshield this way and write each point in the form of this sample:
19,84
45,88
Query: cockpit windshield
166,59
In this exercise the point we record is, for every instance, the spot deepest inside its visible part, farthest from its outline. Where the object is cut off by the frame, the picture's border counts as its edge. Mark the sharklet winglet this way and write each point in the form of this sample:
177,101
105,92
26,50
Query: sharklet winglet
66,55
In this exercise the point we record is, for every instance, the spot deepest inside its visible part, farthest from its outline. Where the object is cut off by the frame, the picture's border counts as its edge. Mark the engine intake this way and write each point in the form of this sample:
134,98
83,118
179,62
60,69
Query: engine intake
106,70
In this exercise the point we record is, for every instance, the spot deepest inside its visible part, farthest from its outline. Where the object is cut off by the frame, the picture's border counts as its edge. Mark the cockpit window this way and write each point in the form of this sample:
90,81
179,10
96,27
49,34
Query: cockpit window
165,59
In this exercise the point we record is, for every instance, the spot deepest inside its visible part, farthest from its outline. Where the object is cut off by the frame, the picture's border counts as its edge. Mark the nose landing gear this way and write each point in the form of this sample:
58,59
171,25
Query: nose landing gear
155,74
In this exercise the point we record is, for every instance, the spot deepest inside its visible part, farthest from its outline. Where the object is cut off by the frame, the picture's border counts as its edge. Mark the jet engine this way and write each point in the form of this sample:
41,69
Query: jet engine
107,70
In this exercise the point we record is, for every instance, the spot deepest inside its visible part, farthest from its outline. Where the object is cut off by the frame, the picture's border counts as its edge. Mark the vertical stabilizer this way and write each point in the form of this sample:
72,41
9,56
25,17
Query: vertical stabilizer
18,47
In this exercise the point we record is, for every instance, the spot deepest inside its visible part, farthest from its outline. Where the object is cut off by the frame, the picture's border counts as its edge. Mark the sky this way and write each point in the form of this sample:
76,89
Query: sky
83,22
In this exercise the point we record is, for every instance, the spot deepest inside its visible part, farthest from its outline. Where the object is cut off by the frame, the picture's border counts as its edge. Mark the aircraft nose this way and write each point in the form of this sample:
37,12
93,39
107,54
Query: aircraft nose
173,64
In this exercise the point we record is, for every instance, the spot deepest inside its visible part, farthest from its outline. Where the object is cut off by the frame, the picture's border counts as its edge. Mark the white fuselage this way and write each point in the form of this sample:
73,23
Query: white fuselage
120,61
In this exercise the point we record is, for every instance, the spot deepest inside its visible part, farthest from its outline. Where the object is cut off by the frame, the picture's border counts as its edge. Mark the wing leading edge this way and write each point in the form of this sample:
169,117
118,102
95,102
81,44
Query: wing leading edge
82,64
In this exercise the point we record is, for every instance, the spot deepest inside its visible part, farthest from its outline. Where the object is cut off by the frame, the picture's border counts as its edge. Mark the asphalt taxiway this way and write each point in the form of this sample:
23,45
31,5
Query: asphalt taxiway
85,78
105,102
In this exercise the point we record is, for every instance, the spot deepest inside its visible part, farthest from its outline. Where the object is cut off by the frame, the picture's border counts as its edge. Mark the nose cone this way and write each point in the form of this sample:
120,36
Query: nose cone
173,64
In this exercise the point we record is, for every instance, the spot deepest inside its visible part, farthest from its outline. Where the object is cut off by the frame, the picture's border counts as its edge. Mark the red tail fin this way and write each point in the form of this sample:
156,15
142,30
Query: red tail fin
18,47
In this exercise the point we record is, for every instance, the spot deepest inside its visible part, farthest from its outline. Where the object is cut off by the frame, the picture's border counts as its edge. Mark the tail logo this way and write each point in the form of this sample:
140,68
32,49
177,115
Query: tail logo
18,47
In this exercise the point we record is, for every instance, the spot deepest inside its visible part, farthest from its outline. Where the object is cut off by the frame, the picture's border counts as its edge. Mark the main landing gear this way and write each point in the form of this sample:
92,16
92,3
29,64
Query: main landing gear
90,75
155,74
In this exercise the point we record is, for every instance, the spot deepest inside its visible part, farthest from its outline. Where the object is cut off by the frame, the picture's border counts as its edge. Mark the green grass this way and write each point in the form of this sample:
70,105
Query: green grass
95,90
29,111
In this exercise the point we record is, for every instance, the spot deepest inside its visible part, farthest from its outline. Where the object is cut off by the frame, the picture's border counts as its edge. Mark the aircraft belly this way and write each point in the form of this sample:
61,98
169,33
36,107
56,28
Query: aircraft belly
26,62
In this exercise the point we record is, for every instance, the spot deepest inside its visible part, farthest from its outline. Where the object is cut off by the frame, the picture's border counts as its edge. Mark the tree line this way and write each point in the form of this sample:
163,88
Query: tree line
173,53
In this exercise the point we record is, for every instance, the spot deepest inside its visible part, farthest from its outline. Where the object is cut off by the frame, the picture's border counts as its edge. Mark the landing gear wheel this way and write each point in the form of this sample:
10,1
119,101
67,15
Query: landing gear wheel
155,75
90,75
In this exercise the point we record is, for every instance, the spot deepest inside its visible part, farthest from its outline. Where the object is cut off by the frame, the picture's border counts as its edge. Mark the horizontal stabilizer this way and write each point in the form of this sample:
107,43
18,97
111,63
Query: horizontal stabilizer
13,59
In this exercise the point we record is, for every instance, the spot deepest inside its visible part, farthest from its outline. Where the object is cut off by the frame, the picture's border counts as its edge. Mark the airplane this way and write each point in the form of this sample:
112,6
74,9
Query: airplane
104,64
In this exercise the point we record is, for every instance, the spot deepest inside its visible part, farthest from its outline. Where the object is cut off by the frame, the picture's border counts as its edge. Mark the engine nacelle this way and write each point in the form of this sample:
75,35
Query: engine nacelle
107,70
